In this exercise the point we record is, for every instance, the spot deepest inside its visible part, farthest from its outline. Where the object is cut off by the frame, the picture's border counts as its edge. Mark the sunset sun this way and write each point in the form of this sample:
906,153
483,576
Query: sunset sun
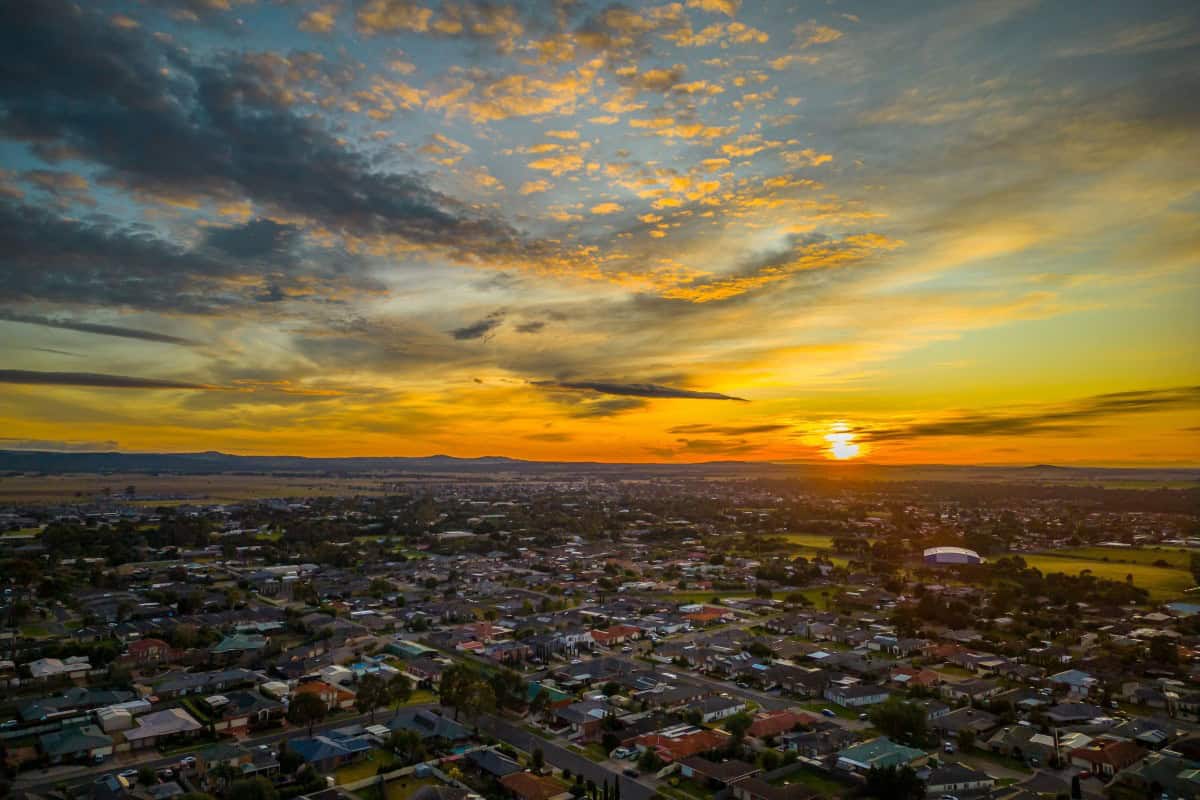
842,446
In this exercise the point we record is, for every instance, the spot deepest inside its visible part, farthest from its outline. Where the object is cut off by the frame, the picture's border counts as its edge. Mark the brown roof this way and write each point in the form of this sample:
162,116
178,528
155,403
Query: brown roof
528,786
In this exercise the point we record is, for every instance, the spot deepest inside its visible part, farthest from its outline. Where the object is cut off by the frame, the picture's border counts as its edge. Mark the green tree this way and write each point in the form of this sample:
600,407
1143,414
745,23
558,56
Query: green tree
737,726
399,691
537,759
258,788
892,783
306,709
372,693
904,722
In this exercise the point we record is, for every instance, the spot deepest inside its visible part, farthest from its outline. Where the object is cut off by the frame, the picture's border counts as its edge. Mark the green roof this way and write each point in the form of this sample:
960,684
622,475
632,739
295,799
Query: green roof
881,752
74,740
238,642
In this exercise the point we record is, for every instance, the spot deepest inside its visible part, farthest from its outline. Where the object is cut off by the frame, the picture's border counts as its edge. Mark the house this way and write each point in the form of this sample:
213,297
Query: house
493,763
712,709
585,719
1074,713
880,752
179,684
171,723
975,720
1159,774
238,645
716,774
334,697
1106,757
681,741
1075,682
755,788
75,668
241,711
975,690
428,725
956,780
76,743
856,695
327,753
774,723
148,652
527,786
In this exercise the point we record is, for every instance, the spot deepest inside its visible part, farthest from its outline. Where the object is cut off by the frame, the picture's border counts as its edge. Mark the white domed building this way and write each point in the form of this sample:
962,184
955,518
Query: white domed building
946,556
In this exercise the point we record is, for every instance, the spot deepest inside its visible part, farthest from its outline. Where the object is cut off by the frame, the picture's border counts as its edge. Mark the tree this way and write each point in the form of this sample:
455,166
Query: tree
891,783
1076,788
537,759
399,690
258,788
965,738
372,693
901,721
737,725
509,688
611,688
453,687
307,709
649,761
538,704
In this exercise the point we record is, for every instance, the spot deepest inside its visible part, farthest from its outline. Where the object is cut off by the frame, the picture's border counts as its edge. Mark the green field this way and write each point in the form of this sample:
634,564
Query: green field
1175,556
810,541
1163,583
365,768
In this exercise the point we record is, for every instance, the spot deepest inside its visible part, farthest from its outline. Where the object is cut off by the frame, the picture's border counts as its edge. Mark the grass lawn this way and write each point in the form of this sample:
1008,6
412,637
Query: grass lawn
1163,583
421,696
814,780
399,789
685,788
365,768
1175,556
811,541
35,631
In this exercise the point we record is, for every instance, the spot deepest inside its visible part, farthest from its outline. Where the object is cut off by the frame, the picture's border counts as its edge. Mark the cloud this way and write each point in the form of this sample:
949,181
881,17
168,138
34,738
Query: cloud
531,327
650,390
481,329
7,443
92,380
160,123
1069,418
730,430
93,327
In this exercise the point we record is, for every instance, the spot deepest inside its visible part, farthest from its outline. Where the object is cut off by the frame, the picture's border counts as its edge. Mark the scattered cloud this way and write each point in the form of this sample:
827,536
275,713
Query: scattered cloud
649,390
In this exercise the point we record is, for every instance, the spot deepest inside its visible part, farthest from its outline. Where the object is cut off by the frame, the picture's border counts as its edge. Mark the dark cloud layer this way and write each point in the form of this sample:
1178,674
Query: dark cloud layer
159,123
92,327
651,390
92,380
729,430
1059,419
482,329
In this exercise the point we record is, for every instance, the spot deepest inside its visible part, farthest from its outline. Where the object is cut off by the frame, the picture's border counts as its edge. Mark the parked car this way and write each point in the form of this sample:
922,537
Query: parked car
1084,774
129,775
622,753
864,717
829,712
187,762
947,747
630,772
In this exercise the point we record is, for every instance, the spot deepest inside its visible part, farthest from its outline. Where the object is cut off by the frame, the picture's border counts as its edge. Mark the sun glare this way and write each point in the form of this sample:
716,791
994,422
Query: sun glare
841,443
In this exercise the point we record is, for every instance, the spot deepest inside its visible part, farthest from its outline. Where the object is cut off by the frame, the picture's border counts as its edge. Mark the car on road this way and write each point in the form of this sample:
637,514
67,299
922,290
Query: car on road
187,762
626,649
829,712
947,747
1084,774
863,717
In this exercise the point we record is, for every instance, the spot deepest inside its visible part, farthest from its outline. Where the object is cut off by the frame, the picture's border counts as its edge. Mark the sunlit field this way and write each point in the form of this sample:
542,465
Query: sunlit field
1163,583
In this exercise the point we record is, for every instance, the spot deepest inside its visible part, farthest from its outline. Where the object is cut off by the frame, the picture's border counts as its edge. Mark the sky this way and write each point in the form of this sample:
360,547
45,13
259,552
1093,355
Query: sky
927,232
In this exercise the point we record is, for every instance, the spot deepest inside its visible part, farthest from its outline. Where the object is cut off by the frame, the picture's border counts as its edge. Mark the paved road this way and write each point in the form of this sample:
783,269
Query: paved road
564,759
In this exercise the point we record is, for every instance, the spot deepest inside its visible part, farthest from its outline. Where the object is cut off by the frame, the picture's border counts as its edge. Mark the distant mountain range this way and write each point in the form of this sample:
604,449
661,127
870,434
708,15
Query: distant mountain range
53,462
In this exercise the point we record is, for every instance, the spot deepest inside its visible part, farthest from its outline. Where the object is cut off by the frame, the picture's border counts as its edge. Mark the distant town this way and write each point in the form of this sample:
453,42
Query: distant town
677,635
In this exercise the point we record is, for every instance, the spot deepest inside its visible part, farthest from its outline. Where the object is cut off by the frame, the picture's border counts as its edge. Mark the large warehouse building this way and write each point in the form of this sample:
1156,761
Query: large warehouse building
951,555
